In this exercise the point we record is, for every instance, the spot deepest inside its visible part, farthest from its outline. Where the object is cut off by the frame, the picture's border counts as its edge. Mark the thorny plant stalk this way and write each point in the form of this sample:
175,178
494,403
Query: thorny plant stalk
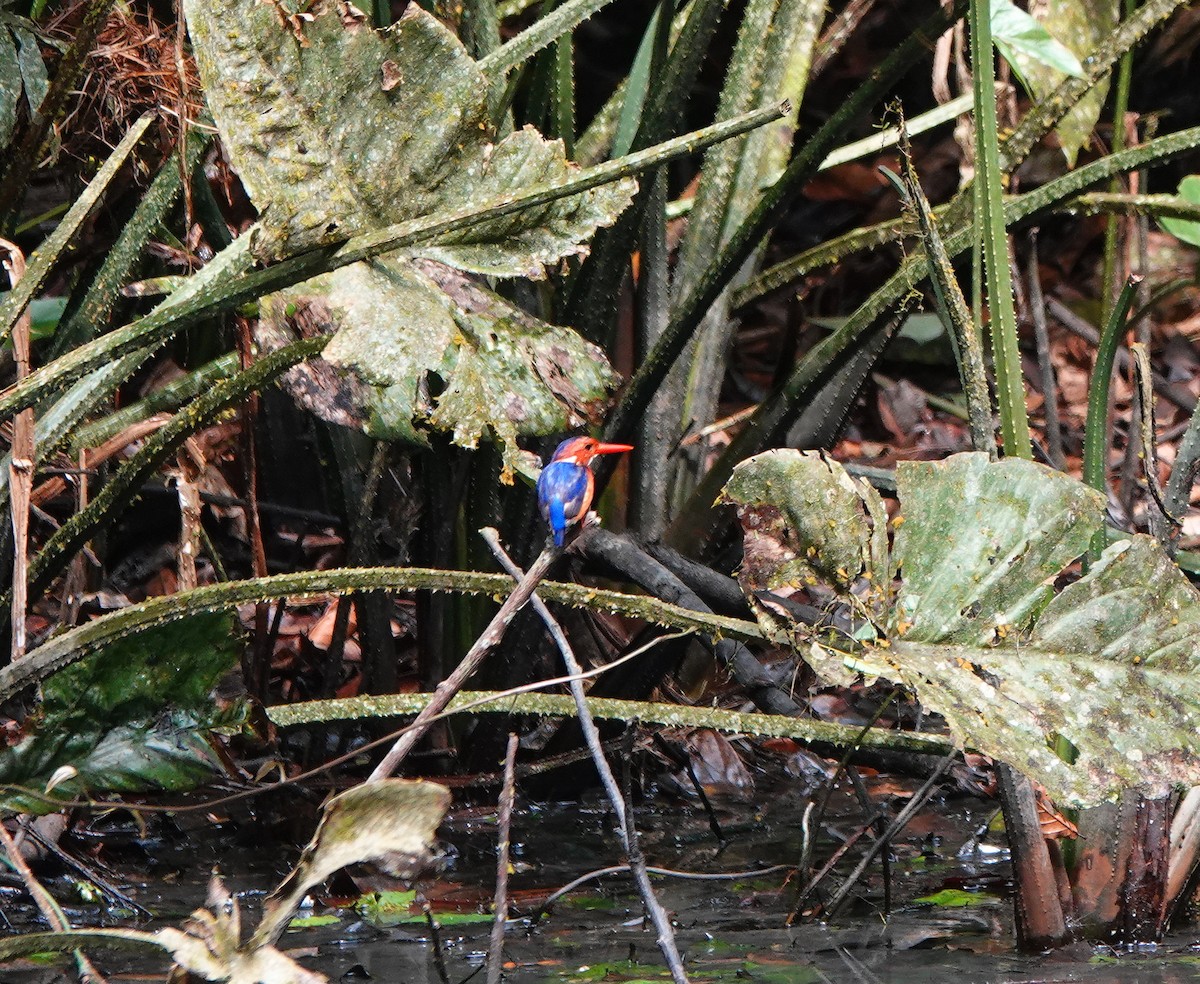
991,234
510,699
79,642
230,278
951,305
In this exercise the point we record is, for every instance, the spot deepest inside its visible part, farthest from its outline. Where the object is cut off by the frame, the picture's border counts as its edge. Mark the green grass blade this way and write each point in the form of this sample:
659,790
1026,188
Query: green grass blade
56,424
657,437
83,322
952,307
1095,434
564,94
591,305
652,50
165,399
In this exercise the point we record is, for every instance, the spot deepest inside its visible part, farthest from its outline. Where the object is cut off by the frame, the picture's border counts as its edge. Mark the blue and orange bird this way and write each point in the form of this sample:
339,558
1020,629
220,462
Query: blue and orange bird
565,485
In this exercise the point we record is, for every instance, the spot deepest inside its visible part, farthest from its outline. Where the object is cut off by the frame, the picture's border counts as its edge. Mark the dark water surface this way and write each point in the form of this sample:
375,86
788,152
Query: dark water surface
731,930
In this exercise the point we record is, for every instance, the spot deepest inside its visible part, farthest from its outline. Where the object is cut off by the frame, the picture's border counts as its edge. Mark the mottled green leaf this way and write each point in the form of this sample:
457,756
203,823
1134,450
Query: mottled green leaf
982,542
1079,25
1019,35
420,345
33,69
10,85
987,637
417,345
1189,232
338,128
132,716
804,520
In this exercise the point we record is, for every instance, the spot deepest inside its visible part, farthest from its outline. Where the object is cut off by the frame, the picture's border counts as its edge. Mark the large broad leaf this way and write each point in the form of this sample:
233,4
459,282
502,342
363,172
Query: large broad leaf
130,718
982,542
1080,25
341,129
501,372
984,634
336,128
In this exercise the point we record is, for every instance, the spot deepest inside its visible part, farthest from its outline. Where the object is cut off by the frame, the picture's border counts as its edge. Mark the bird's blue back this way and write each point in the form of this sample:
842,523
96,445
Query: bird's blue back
564,495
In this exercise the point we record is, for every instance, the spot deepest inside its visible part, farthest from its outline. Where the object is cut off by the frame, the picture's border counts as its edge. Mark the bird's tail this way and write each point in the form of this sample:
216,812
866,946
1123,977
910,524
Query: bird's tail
558,521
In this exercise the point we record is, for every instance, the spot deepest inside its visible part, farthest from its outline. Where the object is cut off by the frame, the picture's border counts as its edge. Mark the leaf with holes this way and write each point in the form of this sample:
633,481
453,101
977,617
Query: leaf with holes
985,633
418,345
421,346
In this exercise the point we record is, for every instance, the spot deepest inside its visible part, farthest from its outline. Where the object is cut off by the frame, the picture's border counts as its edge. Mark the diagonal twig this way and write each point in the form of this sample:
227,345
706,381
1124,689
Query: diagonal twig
470,663
902,818
625,828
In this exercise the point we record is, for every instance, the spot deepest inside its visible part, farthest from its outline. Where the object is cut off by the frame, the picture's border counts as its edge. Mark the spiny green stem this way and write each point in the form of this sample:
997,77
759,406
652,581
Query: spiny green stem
650,712
74,644
992,232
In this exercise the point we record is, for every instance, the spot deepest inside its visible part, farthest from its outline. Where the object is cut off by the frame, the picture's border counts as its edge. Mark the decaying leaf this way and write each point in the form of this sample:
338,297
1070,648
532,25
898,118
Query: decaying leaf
421,345
807,524
985,637
805,521
209,947
391,822
326,151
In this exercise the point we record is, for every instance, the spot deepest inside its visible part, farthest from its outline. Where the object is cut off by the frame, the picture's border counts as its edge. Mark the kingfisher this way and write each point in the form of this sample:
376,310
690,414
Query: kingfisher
566,484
